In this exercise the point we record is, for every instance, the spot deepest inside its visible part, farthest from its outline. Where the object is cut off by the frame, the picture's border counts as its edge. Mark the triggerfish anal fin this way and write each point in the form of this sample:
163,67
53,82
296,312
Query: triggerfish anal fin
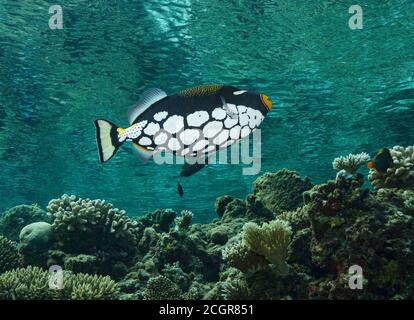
149,97
188,170
142,153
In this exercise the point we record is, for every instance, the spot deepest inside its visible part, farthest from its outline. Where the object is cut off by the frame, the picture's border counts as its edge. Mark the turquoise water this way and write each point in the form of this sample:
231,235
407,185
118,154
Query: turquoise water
334,90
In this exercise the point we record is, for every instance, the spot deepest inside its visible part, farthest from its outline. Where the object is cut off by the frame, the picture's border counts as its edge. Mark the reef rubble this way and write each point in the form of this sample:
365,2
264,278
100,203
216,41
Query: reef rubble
288,239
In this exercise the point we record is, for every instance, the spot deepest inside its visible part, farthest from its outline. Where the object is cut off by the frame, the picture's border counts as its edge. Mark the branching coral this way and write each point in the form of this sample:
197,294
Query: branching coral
9,256
184,220
90,287
350,163
29,283
96,221
32,283
400,175
162,288
271,241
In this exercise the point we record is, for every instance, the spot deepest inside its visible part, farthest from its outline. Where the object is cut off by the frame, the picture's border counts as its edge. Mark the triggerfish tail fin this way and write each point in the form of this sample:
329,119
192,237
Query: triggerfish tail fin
106,139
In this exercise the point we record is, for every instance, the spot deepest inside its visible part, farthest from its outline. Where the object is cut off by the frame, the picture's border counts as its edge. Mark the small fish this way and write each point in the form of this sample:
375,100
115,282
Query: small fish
382,161
195,122
180,189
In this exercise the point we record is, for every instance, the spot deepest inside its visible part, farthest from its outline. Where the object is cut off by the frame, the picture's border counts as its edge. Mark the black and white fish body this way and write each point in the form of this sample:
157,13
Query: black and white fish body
195,122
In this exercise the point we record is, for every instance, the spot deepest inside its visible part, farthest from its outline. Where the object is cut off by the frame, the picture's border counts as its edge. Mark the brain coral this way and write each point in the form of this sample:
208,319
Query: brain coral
81,224
400,175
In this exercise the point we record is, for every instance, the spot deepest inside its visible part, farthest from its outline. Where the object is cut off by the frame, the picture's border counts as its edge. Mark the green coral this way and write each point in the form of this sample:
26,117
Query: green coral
9,255
90,287
32,283
160,220
14,219
400,175
242,258
162,288
281,191
183,222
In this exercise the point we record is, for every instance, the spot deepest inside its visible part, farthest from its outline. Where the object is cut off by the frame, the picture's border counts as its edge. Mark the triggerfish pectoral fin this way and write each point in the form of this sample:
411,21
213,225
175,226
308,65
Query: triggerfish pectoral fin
142,153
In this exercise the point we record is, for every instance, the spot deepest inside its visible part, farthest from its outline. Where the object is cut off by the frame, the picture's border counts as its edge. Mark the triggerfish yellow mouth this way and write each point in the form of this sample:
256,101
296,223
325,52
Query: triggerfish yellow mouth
266,101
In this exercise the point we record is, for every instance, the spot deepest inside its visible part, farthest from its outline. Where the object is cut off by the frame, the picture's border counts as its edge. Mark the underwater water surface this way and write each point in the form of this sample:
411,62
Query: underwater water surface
334,90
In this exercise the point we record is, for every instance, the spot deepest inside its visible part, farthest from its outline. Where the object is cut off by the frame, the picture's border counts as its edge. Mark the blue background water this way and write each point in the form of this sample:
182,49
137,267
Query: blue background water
334,90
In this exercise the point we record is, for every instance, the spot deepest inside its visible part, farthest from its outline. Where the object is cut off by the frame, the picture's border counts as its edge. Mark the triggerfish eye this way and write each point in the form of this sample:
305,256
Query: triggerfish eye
266,101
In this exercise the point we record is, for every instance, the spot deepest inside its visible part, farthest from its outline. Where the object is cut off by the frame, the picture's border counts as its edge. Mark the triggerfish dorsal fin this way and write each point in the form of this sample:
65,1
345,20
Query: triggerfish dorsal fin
201,90
148,98
142,153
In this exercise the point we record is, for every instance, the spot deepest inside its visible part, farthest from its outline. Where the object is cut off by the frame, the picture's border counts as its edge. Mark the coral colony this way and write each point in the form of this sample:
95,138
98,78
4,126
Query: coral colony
288,239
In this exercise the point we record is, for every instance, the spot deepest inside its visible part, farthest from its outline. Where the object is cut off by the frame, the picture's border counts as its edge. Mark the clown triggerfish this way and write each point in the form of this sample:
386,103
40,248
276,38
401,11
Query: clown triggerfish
194,122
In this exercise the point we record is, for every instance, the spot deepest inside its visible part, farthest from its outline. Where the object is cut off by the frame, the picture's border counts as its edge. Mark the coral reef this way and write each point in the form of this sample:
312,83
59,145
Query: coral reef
289,239
14,219
9,256
400,175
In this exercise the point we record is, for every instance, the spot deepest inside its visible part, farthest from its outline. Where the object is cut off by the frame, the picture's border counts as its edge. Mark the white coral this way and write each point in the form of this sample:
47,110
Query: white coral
271,240
400,175
71,214
350,163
